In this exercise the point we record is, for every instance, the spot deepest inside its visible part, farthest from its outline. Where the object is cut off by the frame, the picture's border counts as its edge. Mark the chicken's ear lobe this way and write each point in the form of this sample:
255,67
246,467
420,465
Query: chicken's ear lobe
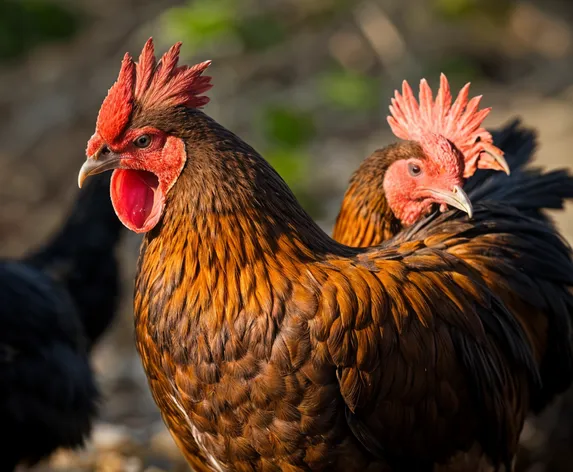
173,158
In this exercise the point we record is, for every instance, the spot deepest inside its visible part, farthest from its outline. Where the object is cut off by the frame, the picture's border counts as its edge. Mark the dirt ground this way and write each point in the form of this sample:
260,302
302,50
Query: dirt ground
49,103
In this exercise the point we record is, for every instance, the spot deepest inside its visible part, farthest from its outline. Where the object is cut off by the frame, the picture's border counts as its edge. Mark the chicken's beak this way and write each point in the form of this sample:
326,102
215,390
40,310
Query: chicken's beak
500,161
97,164
456,198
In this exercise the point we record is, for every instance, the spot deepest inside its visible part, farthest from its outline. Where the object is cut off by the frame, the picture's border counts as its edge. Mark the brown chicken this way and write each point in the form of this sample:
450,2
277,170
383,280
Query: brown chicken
268,346
422,171
367,216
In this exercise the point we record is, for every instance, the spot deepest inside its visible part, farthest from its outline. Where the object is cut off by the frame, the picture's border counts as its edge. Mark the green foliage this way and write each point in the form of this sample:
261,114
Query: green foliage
200,21
291,164
260,32
455,10
349,91
287,132
287,127
25,24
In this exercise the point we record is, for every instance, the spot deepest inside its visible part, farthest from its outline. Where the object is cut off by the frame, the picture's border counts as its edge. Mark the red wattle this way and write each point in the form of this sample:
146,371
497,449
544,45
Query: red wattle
136,198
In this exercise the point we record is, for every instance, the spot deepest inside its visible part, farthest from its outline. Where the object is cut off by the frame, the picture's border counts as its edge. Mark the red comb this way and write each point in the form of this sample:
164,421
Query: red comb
166,84
151,84
459,122
117,106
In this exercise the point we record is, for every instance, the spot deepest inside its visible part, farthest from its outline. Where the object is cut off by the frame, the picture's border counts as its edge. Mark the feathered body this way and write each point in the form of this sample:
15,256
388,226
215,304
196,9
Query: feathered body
541,306
82,257
268,346
54,304
49,396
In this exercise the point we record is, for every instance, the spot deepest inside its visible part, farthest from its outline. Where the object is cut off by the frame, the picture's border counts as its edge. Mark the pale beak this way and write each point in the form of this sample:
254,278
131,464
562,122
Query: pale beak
456,198
97,164
500,160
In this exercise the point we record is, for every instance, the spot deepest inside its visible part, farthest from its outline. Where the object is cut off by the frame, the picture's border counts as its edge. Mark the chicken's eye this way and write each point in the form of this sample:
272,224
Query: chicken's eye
142,141
414,169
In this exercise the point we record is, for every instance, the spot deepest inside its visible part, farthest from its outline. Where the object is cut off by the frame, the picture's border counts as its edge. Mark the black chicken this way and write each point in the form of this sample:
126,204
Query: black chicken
54,305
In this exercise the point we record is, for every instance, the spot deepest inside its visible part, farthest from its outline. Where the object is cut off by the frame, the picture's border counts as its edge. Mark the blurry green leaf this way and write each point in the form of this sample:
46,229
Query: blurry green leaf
50,20
260,32
495,10
24,25
292,165
201,20
453,9
349,90
287,127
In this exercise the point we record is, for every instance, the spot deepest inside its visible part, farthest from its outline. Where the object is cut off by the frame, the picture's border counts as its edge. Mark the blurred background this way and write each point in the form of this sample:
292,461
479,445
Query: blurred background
308,83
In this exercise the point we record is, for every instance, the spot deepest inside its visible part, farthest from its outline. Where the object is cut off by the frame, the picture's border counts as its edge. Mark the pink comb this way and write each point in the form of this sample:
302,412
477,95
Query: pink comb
460,123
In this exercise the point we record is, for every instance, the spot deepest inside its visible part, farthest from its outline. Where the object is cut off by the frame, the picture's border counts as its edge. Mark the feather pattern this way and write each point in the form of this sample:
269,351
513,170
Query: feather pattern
537,294
268,346
287,351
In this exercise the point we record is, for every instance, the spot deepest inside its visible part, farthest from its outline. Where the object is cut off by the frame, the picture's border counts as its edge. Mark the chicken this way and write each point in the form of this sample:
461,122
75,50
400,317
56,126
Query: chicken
49,396
368,215
267,345
50,315
81,256
423,170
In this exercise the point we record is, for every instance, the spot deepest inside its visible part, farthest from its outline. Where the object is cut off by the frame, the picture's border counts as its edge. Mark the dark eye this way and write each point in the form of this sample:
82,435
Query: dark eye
142,141
414,169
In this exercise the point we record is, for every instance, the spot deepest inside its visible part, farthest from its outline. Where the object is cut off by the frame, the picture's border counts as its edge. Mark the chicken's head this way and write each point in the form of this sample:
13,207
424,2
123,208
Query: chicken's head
415,179
146,158
445,145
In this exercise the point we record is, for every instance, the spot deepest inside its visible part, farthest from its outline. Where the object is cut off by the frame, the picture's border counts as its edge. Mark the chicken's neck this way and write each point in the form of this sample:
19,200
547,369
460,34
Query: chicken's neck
365,218
227,183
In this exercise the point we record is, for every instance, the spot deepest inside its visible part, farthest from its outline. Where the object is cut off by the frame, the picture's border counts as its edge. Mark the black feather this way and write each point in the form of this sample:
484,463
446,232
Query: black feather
54,305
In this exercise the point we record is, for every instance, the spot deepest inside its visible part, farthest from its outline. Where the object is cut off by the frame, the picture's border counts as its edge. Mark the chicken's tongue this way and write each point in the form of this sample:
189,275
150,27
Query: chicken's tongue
136,198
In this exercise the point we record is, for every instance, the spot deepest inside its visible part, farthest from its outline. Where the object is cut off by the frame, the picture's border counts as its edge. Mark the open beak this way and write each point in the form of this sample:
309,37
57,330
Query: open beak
97,164
499,160
456,198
